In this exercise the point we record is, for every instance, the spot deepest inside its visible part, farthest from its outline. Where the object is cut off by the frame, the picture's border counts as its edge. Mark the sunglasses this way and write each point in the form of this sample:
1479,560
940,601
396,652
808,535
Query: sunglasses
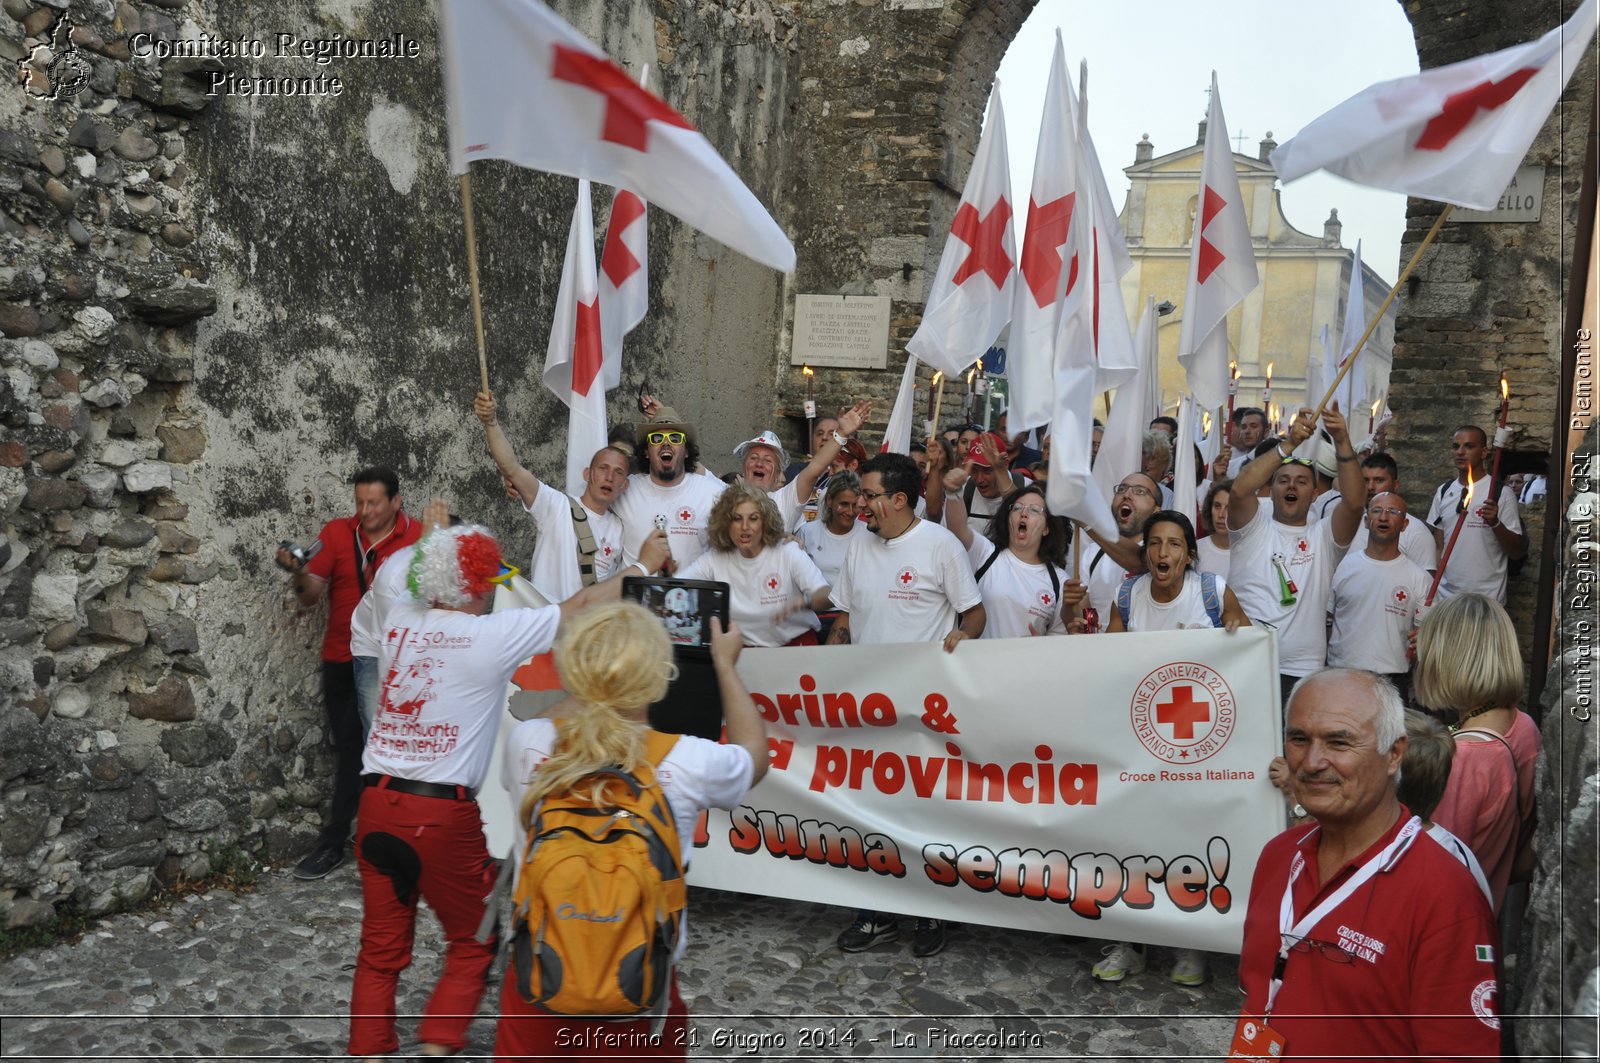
655,439
1296,461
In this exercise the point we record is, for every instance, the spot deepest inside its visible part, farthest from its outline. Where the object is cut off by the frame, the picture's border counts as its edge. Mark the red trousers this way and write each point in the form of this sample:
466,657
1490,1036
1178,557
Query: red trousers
409,848
527,1032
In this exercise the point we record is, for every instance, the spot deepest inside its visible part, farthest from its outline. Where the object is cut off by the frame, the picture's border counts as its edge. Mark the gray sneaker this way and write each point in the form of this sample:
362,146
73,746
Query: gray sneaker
868,931
318,863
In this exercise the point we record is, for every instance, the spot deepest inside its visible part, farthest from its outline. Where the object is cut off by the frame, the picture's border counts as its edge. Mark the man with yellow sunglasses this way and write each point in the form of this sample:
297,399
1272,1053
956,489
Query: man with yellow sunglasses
669,496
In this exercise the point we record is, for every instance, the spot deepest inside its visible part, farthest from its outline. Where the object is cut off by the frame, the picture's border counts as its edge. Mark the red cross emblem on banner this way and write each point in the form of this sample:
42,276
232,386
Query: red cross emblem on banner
1183,712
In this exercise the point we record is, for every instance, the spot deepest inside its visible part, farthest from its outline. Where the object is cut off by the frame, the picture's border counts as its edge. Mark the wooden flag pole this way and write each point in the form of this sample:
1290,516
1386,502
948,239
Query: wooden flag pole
472,278
1372,326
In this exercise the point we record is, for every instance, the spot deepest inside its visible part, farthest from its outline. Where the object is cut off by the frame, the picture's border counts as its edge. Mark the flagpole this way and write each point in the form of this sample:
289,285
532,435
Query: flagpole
1372,326
472,277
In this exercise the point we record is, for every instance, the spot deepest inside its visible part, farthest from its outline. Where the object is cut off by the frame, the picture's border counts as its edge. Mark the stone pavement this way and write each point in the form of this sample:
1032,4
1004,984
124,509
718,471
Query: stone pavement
225,976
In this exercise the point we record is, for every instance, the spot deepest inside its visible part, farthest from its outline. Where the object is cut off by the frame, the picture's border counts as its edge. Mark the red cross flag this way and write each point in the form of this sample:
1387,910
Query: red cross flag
1046,270
624,278
572,364
897,437
1116,361
970,301
522,85
1222,265
1456,133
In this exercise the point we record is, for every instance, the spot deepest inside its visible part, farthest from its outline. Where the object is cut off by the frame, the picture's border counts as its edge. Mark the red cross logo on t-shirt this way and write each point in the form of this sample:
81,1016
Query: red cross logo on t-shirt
1302,546
906,577
1400,595
1044,596
605,551
772,583
685,515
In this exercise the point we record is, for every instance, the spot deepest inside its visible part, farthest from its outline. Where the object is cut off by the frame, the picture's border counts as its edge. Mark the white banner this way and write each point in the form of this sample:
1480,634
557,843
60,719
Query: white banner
1106,786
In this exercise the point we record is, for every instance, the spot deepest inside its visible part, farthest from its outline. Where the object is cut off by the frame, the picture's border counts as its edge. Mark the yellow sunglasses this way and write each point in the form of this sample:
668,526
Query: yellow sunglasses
655,439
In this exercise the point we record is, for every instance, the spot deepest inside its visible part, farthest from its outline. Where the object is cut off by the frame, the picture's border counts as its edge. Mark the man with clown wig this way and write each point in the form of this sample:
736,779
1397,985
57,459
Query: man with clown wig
445,664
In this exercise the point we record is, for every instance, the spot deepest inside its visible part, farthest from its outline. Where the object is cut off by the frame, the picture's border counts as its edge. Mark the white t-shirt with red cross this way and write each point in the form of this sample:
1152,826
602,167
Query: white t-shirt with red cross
1260,555
686,507
1018,598
912,588
760,586
1374,606
1477,561
826,549
554,569
444,679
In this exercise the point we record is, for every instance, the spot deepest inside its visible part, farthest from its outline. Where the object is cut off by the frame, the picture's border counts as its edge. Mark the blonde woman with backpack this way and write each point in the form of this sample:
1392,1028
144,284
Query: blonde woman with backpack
573,769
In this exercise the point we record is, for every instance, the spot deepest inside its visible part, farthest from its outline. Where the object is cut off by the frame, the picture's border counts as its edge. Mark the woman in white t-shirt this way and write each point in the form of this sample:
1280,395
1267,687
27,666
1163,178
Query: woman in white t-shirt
826,539
615,661
1170,594
1020,566
1213,548
773,587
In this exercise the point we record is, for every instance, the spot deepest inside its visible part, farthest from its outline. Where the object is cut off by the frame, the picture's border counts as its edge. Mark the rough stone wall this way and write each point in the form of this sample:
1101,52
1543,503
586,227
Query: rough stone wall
1488,298
214,310
1558,976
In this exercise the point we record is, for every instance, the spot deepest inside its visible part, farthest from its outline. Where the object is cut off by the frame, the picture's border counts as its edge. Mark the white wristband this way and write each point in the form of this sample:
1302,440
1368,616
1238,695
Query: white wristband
840,439
642,570
1502,436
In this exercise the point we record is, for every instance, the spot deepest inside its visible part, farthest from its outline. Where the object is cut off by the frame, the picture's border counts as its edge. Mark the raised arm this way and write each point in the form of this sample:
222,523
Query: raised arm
1258,472
744,724
955,510
933,494
850,422
1352,490
505,459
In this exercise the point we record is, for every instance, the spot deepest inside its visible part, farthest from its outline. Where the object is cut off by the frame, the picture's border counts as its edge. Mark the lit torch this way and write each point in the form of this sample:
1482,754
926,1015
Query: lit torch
1233,388
936,395
1499,438
1266,392
811,403
1461,519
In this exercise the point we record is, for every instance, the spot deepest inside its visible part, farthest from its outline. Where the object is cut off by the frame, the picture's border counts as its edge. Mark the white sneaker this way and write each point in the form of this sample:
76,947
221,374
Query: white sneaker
1190,970
1119,961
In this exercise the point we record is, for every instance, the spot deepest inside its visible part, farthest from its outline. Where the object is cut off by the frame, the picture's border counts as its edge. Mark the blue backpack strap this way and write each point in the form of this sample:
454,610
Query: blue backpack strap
1209,595
1125,599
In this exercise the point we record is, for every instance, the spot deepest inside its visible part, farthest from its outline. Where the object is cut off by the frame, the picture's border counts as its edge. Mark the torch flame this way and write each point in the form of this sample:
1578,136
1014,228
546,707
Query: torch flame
938,376
1505,388
1466,499
1376,406
1205,424
969,376
1233,370
1269,371
806,369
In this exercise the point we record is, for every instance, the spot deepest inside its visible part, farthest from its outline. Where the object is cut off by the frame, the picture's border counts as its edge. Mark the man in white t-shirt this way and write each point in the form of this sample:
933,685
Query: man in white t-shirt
580,539
1374,599
909,582
761,460
1280,565
1249,429
445,664
1381,475
1106,564
667,496
1493,533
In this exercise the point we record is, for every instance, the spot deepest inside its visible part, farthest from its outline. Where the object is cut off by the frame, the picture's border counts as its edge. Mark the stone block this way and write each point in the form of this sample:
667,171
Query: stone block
146,476
195,745
88,133
100,486
60,637
129,533
205,814
55,462
180,444
40,355
170,701
134,145
176,633
144,854
174,540
95,323
54,598
22,827
26,912
17,320
144,802
107,393
13,455
175,305
119,625
49,495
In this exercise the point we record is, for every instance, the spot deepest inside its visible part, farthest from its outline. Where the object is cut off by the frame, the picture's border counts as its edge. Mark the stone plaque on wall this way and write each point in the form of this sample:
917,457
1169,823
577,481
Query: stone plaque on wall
847,331
1521,201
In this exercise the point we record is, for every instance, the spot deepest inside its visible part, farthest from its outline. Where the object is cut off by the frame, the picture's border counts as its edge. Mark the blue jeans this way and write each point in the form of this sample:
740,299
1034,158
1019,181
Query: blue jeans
366,669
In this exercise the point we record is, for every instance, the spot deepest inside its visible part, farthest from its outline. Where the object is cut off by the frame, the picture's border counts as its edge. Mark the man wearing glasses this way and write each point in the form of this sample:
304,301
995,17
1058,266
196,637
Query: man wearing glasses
343,568
668,496
1375,597
1281,564
1105,565
1365,938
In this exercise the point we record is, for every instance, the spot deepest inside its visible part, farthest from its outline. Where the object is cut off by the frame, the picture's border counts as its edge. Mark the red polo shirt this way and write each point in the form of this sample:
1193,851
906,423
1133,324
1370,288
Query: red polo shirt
336,562
1422,981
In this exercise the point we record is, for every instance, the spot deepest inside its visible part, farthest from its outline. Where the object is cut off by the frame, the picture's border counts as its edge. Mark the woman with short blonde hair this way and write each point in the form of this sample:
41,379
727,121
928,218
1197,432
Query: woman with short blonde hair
1469,673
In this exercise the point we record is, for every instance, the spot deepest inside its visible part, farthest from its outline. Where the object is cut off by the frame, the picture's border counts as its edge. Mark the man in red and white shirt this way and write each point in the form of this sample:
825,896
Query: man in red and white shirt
1365,939
445,665
343,569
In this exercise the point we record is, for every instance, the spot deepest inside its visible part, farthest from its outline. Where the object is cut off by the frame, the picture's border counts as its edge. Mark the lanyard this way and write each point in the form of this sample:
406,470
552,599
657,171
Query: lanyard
1289,929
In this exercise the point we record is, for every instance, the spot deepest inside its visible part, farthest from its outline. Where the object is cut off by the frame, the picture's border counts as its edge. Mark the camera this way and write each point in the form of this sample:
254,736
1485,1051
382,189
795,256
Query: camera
301,554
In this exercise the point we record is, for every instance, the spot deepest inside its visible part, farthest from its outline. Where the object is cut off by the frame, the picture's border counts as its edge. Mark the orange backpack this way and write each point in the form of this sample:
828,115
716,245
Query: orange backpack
599,904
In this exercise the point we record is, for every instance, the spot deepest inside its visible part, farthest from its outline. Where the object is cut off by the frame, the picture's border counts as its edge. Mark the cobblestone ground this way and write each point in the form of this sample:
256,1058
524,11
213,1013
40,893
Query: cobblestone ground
266,974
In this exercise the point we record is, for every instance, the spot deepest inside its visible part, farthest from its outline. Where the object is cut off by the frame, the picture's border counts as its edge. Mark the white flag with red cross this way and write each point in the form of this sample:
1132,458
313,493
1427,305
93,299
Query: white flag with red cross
1116,360
897,436
624,278
1456,133
1355,323
1046,271
1222,265
1070,490
970,301
1136,402
573,363
522,85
